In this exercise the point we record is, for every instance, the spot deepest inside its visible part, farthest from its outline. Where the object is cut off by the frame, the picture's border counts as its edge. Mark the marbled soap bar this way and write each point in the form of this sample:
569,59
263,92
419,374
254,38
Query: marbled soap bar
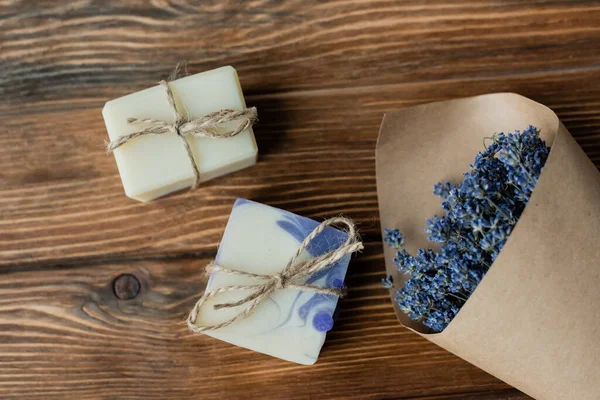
155,165
291,324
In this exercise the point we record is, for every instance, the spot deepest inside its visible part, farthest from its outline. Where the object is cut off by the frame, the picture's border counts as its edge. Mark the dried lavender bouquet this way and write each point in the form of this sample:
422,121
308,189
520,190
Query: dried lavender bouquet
510,281
481,212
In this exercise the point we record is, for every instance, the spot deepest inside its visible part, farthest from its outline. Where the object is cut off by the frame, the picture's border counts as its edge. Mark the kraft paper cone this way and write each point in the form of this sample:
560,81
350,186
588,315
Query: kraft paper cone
534,320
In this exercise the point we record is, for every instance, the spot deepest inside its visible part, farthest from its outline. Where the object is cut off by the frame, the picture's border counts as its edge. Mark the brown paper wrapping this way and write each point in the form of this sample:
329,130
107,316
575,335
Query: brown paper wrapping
534,320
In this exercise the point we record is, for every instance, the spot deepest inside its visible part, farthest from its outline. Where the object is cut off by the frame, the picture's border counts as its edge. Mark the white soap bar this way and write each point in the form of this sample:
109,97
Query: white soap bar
291,324
155,165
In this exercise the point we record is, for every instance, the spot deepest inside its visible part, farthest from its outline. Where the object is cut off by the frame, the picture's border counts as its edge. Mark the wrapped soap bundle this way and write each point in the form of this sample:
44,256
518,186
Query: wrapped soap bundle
506,274
275,282
181,133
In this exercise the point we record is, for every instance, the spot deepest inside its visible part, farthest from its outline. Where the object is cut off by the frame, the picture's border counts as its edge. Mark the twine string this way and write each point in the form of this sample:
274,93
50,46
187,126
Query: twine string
286,279
206,127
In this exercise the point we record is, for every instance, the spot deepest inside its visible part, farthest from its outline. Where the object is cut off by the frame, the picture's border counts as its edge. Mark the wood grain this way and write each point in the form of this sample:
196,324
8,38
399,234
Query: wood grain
65,330
322,75
101,49
62,198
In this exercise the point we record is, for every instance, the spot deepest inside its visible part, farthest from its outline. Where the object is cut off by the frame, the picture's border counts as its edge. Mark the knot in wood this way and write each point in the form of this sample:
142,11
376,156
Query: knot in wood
126,286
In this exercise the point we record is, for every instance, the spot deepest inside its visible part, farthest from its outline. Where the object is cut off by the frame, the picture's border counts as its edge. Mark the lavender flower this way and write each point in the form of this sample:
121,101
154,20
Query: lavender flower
481,212
387,282
393,238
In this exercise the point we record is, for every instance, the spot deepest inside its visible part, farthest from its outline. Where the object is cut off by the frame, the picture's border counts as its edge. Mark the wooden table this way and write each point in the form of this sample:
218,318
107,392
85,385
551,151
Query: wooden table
95,287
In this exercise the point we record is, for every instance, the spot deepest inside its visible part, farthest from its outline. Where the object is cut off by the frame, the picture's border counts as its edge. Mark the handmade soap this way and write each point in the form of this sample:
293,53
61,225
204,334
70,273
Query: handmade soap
155,165
291,324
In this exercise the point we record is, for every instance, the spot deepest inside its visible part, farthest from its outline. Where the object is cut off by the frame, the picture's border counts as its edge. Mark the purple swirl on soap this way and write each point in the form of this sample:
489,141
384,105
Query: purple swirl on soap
329,239
322,321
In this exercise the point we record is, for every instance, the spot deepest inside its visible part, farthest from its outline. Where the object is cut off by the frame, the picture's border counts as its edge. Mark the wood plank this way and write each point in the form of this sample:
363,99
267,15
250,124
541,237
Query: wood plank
94,51
61,198
64,334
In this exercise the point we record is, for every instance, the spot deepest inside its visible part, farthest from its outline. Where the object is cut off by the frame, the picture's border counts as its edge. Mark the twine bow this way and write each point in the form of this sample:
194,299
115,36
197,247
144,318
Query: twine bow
286,279
205,126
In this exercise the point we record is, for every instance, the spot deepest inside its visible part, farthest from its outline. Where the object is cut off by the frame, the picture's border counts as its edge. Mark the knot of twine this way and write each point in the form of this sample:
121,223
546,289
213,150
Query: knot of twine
205,126
286,279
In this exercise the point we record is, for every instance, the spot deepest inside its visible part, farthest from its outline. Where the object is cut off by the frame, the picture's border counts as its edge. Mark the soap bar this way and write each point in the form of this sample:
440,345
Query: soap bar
155,165
291,324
